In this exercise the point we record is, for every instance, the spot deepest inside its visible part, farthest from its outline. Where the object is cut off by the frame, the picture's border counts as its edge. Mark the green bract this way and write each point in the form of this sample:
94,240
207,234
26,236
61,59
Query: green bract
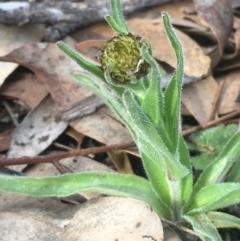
123,53
152,115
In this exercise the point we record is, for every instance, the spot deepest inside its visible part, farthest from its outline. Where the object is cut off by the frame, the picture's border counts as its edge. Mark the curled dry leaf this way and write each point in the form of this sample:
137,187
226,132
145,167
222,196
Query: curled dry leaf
218,16
232,61
236,53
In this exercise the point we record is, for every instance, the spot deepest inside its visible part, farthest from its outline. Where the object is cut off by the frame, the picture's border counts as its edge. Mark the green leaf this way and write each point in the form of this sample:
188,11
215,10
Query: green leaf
234,173
118,16
186,184
109,96
107,183
214,197
171,100
162,168
216,171
216,138
224,220
112,23
152,103
177,46
151,139
160,184
172,94
80,60
203,227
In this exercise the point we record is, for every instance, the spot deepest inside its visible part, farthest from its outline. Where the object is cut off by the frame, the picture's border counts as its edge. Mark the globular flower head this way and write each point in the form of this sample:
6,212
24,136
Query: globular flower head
123,52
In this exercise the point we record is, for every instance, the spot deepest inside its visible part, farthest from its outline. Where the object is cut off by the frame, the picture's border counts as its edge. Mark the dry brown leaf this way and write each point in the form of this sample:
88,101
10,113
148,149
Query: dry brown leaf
219,17
184,16
196,63
37,131
230,91
54,68
177,9
236,54
121,161
97,31
184,110
27,88
183,10
236,23
232,61
103,127
13,37
90,48
5,138
78,137
198,97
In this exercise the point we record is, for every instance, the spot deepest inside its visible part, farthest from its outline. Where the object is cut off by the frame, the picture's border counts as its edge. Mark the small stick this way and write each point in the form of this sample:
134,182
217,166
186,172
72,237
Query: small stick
58,156
198,143
176,227
11,114
210,123
59,145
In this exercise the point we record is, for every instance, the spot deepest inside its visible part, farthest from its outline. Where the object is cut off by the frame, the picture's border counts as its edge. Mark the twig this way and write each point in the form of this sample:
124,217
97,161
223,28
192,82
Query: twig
59,145
58,156
210,123
174,225
200,144
11,114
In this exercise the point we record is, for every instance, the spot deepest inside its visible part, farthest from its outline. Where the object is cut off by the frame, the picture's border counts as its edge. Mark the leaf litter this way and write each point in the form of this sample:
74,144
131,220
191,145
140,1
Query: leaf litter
212,56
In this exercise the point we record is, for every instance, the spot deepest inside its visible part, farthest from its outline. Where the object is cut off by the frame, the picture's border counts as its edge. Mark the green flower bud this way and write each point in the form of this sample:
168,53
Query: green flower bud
123,52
